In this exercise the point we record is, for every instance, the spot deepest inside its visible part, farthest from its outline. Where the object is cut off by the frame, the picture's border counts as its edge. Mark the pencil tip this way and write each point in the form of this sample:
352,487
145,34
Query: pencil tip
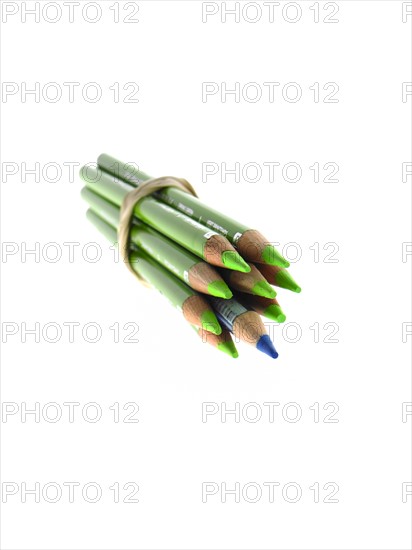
285,280
229,348
219,289
272,257
233,260
262,288
265,345
275,313
210,322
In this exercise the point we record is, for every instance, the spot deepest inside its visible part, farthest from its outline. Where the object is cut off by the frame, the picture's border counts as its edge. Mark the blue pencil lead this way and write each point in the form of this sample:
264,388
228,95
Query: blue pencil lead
265,344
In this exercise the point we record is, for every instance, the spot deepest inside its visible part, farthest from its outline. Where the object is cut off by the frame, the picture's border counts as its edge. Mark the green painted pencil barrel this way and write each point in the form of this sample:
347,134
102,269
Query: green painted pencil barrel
173,289
105,209
179,261
105,229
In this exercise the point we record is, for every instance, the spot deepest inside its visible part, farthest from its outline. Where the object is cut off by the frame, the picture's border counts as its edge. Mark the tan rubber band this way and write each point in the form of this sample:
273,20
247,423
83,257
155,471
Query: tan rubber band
129,202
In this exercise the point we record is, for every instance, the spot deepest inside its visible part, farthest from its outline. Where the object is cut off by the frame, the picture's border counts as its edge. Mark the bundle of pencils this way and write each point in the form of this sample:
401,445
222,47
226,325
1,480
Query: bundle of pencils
217,271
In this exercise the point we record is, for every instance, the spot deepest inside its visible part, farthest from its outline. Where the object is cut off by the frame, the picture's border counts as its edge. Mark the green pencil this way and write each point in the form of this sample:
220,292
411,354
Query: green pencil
185,265
251,244
193,236
195,309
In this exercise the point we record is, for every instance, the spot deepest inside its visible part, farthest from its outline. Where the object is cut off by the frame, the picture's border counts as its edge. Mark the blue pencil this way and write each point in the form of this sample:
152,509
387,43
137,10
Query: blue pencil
244,324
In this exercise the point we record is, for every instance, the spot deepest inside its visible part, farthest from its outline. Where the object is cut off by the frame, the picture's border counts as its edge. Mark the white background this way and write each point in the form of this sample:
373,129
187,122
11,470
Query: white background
169,373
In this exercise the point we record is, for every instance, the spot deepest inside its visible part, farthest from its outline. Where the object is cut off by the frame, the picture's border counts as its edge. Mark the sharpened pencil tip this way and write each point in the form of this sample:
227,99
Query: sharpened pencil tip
284,279
272,257
262,288
219,289
265,345
210,322
275,313
229,348
233,260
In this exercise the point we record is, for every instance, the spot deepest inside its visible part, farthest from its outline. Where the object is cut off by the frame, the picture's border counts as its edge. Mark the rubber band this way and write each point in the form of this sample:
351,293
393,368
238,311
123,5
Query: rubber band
129,202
